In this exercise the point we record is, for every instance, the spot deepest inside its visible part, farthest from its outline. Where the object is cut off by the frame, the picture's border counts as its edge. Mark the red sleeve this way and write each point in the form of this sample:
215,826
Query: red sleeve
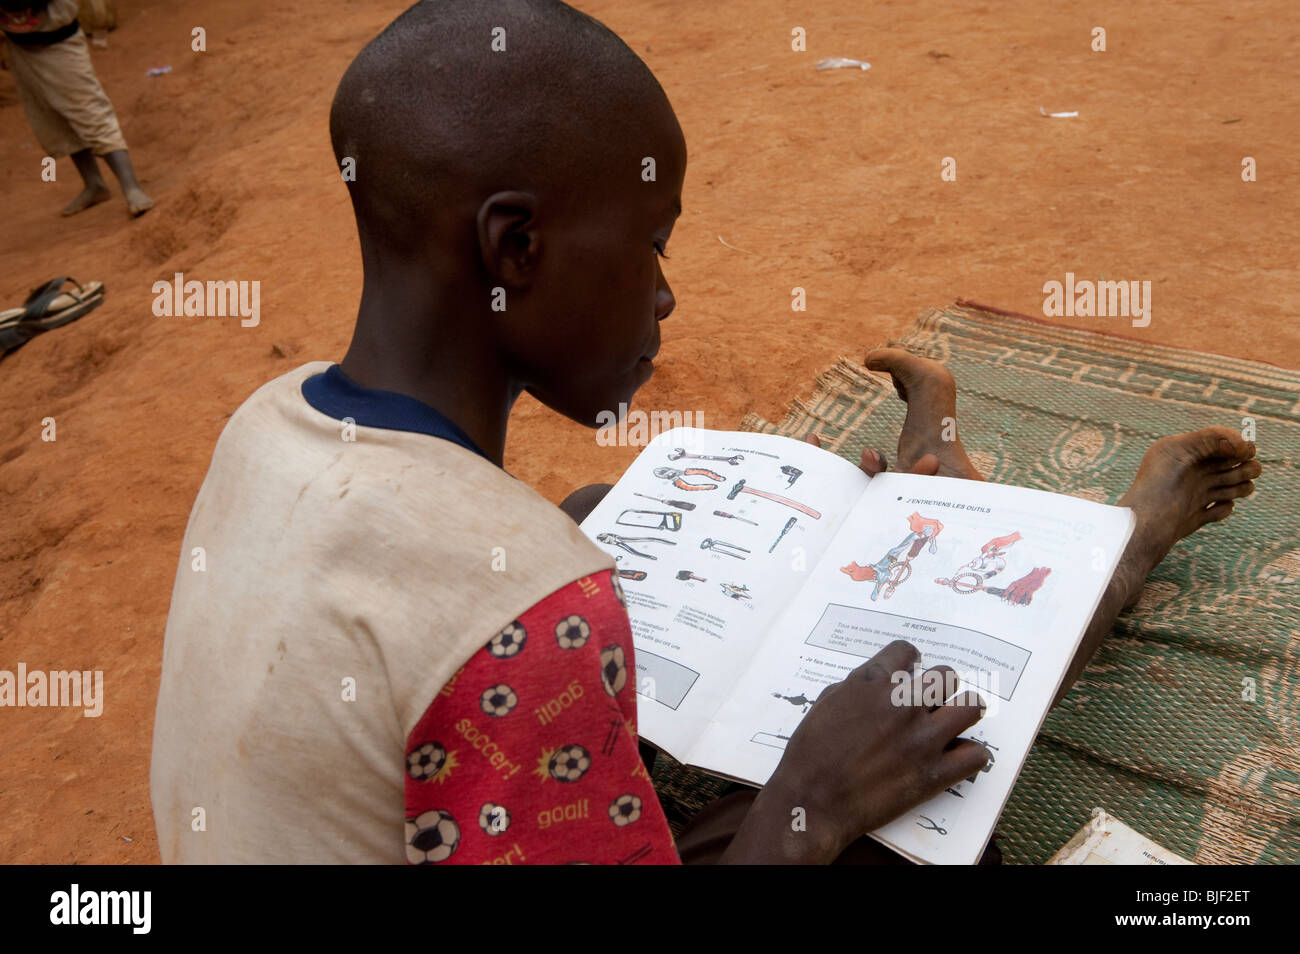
528,755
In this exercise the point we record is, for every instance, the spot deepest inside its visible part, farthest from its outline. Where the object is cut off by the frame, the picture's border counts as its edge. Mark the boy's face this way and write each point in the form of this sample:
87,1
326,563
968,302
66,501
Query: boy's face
601,290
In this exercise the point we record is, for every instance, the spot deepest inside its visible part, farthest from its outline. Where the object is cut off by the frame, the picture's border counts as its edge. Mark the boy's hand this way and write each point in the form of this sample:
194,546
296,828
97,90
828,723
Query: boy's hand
858,761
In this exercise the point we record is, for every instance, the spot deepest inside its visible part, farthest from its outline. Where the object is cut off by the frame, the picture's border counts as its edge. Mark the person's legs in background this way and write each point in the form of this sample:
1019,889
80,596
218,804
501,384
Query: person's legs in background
71,115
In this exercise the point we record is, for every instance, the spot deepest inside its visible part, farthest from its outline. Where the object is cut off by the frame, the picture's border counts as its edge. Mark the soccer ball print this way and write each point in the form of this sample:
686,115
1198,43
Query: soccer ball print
569,763
427,761
572,632
624,810
431,837
613,668
498,700
509,642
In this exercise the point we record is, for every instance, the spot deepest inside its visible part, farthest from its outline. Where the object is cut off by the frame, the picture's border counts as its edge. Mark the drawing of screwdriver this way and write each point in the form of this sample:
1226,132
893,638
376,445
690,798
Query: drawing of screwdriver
732,516
784,530
672,503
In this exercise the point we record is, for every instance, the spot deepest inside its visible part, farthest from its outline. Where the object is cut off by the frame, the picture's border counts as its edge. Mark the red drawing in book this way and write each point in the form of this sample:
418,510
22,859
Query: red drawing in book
972,577
893,569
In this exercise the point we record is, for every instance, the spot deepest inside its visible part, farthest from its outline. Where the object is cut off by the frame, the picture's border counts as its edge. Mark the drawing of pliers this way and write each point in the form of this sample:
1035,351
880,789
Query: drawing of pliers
675,475
614,540
722,546
933,826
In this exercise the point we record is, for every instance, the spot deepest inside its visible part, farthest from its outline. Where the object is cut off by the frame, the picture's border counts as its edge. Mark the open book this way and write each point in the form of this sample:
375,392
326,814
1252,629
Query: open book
759,569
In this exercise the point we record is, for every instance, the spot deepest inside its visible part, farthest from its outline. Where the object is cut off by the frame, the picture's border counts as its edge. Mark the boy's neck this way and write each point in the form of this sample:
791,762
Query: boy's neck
414,350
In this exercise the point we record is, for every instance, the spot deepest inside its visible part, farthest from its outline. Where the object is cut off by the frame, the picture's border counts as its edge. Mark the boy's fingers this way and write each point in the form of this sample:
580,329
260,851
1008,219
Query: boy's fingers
898,656
955,717
873,462
961,761
813,439
937,683
927,465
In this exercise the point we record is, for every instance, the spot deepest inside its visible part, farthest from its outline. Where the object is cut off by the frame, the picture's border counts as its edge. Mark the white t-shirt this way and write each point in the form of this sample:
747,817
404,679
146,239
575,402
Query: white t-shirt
327,589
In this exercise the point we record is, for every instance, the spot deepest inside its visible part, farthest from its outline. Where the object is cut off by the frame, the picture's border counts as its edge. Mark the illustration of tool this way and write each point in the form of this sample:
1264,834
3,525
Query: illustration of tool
991,561
614,540
650,519
722,546
736,592
732,516
991,762
794,473
740,488
972,577
784,530
678,453
800,701
632,574
688,575
675,475
933,825
893,569
680,504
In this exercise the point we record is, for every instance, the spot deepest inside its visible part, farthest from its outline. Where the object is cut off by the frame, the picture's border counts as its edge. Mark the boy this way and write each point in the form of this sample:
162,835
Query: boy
64,102
387,630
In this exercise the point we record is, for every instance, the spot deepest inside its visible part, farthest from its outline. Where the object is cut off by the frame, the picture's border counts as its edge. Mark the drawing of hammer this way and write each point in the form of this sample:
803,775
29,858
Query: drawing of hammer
740,488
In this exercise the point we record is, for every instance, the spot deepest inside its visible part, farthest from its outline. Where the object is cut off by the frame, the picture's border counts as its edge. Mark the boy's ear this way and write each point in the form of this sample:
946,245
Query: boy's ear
508,239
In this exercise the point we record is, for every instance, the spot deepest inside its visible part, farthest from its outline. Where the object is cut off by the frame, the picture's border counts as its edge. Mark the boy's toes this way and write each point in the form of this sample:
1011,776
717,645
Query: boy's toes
873,462
1217,442
1238,474
911,372
1214,513
1232,491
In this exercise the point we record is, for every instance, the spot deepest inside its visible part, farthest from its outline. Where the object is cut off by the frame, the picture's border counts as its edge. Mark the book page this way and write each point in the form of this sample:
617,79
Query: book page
997,582
718,545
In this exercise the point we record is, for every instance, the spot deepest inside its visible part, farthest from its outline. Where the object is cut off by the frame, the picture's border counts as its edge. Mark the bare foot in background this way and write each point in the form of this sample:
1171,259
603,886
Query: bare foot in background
931,395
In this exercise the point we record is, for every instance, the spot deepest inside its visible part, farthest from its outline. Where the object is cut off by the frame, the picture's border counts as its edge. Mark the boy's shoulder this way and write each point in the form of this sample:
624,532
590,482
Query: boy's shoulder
345,467
429,547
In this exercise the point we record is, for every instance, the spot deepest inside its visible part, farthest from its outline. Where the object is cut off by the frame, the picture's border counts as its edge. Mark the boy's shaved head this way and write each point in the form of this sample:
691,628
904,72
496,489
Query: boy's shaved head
430,109
518,171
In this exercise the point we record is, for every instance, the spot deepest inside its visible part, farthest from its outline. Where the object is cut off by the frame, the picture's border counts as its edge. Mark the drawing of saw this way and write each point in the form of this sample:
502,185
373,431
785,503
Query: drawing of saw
650,519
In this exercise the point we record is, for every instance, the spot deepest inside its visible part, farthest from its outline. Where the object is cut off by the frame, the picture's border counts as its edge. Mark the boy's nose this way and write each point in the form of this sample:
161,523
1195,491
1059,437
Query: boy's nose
664,300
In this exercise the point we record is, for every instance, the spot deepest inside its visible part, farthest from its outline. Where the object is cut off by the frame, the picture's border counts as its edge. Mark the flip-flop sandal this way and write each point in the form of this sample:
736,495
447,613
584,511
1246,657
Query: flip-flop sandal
48,306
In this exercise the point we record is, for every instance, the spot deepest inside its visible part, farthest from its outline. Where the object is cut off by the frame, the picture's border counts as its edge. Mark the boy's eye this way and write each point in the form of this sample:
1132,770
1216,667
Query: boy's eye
659,250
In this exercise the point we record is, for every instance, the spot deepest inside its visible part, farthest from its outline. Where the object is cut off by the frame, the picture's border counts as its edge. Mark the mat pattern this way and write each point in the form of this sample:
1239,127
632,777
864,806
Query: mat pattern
1187,723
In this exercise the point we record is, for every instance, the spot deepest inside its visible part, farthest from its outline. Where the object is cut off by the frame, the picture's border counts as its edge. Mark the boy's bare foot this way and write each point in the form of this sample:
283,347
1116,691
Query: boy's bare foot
137,203
1183,483
90,195
931,395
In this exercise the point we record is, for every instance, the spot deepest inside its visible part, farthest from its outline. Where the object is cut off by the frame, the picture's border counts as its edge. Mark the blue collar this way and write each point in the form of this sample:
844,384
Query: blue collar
336,395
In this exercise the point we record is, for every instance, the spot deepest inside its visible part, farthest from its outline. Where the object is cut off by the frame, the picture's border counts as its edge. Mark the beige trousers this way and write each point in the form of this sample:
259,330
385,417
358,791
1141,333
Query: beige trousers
65,104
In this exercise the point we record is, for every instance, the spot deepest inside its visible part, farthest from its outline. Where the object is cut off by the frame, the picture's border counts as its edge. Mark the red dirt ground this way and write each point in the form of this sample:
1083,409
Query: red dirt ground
825,180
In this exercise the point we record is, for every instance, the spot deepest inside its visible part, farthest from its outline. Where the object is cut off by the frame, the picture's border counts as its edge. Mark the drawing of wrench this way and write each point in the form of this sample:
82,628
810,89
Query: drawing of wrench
680,452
